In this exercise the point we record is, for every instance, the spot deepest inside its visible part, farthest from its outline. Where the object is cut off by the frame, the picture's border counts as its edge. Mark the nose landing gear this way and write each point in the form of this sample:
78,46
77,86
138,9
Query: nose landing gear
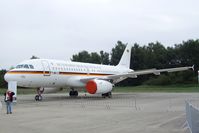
38,97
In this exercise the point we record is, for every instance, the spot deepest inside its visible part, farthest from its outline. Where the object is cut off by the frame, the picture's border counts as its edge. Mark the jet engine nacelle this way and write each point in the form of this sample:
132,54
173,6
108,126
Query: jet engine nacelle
98,86
49,90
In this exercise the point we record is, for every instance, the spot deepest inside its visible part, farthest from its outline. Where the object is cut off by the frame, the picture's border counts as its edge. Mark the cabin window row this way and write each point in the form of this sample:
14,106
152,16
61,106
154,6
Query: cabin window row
76,66
76,69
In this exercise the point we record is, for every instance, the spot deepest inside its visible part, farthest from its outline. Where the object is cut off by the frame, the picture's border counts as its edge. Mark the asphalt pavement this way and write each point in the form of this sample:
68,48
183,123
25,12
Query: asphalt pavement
124,112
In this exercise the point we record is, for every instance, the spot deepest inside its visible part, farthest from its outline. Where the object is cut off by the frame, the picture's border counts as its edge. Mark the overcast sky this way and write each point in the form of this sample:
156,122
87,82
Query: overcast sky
58,29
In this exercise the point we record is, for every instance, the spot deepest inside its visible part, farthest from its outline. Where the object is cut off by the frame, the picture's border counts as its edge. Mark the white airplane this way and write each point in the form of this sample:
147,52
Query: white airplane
50,75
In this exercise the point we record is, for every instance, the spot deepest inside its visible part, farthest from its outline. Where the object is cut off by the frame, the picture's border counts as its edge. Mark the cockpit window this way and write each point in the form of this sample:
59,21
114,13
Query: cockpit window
26,66
19,66
31,66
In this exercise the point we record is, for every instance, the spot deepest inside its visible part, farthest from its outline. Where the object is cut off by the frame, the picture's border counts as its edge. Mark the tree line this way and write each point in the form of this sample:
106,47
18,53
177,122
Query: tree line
152,55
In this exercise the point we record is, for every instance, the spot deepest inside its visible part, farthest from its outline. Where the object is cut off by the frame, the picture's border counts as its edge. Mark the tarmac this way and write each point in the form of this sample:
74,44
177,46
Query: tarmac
124,112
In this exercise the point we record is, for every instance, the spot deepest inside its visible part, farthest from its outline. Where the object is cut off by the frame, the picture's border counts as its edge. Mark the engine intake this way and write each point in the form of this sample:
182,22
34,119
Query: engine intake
98,86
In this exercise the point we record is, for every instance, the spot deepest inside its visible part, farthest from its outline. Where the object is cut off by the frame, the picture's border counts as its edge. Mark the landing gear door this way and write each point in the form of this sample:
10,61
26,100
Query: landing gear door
46,68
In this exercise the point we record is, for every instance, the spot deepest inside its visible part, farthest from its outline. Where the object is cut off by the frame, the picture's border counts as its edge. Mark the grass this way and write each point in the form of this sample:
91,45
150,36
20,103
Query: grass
20,91
143,88
169,88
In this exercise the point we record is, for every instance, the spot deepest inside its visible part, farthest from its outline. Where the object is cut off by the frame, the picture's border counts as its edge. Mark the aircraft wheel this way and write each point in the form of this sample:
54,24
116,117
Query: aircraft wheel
104,95
38,98
73,93
109,95
76,93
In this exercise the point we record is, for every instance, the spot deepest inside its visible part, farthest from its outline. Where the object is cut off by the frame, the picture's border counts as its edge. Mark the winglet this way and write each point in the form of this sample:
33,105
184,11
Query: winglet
192,67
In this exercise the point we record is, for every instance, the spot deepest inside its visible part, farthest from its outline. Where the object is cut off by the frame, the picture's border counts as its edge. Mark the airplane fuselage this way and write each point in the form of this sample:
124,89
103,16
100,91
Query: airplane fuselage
57,73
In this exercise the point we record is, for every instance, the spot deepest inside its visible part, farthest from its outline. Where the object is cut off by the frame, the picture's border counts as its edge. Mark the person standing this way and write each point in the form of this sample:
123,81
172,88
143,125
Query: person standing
8,99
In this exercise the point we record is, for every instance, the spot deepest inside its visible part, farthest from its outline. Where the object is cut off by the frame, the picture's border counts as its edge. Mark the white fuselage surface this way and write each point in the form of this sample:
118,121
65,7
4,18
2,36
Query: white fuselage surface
56,73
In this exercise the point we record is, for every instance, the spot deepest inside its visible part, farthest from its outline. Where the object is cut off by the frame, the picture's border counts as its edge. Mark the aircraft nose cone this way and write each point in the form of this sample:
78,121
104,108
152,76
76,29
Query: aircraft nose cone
6,77
9,77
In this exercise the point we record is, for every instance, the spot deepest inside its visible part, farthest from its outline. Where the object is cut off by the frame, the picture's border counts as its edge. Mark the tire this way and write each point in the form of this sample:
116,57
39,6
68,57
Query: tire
38,98
76,93
109,94
71,93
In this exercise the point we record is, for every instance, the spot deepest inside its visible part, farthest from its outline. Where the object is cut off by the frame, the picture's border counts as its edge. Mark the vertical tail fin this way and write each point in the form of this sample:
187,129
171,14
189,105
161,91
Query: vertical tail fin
126,57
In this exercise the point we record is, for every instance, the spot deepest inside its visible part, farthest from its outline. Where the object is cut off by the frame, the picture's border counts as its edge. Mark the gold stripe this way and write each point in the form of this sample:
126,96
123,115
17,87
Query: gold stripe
26,72
60,73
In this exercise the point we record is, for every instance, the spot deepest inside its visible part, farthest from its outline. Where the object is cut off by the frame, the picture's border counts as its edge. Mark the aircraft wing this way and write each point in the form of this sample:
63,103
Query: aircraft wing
158,71
134,74
119,77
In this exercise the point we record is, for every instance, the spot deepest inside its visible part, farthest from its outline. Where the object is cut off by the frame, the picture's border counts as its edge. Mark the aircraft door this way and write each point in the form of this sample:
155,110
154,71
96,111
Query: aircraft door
46,68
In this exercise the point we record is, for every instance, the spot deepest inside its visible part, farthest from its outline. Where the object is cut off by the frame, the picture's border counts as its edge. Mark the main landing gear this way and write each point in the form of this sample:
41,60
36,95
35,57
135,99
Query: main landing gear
38,97
109,95
73,93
